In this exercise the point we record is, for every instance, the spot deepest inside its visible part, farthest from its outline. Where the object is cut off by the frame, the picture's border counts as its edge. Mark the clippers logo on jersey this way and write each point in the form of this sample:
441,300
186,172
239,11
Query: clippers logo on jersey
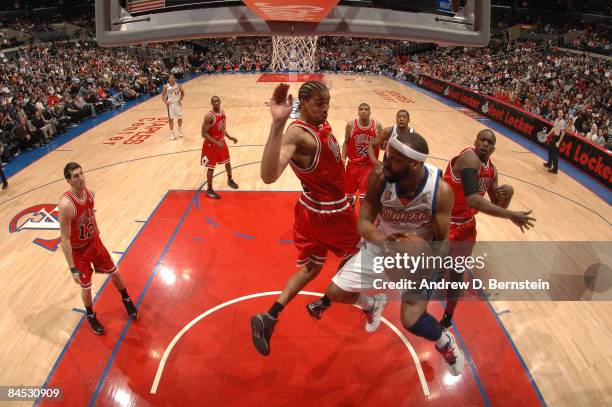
38,217
334,146
399,216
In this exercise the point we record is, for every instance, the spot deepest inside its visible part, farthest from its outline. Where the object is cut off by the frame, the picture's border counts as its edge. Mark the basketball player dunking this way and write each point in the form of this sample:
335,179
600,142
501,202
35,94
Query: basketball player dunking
471,174
324,219
402,119
214,149
82,246
405,196
358,135
172,95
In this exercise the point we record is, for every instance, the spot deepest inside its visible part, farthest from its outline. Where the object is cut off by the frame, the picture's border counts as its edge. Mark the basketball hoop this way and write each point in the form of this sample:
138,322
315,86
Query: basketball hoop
294,53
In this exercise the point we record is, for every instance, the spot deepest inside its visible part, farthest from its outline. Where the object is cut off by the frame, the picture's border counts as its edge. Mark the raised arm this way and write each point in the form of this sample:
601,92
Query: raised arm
280,146
381,137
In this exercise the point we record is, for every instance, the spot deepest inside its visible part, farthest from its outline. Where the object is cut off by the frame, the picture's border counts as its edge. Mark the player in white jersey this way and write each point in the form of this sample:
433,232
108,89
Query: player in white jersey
402,119
172,95
405,196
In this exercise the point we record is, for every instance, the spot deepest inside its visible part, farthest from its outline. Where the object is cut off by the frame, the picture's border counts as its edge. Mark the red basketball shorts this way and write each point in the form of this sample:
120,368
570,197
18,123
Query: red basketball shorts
357,178
94,253
213,155
317,233
463,234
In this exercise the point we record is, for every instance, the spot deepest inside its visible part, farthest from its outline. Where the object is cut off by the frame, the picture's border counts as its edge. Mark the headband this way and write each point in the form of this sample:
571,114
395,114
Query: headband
407,151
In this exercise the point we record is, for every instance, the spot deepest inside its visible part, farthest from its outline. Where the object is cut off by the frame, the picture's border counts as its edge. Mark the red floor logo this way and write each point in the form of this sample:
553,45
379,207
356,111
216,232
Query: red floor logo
38,217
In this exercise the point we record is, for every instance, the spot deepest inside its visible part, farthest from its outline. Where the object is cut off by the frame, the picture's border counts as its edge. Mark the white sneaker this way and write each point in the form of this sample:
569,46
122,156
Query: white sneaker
180,132
452,354
373,316
172,136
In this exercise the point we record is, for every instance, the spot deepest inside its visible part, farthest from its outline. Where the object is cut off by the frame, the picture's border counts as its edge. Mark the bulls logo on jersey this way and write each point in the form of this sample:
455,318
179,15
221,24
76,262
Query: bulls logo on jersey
221,125
484,184
334,146
38,217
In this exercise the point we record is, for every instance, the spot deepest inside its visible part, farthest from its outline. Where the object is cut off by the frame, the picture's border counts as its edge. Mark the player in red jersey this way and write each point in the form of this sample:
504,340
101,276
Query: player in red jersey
214,149
82,246
358,135
471,174
324,219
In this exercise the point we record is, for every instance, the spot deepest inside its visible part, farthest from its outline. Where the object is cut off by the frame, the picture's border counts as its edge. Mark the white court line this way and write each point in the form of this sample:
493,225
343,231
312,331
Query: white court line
162,362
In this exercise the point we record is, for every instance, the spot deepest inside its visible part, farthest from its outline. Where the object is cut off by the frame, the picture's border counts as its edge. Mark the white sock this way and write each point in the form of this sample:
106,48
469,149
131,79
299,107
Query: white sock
443,341
366,303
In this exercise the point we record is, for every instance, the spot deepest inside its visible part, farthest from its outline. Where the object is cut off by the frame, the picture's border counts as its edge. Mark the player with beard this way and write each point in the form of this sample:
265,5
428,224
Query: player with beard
404,197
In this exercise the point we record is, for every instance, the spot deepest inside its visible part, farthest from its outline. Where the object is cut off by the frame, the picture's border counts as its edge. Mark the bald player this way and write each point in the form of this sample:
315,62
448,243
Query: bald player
471,174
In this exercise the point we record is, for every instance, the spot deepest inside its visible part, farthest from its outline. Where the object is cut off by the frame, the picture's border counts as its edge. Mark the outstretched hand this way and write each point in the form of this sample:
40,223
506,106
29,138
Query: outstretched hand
281,105
523,220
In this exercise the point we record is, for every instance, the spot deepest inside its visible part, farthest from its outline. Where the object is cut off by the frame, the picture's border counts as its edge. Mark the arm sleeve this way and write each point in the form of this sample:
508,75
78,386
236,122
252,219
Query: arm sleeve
469,181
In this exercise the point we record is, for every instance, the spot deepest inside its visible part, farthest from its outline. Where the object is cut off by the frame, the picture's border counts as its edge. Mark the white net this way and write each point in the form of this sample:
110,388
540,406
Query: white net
294,53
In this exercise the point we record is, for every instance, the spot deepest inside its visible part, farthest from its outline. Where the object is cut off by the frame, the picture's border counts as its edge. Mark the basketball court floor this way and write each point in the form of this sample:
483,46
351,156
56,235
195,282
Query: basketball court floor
200,268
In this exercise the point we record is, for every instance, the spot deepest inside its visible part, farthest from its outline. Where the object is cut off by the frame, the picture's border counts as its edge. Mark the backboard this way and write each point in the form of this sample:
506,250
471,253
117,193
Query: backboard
454,22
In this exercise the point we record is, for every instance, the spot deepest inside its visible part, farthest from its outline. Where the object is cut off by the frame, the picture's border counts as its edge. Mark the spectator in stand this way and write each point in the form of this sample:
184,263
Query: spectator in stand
600,140
592,134
26,135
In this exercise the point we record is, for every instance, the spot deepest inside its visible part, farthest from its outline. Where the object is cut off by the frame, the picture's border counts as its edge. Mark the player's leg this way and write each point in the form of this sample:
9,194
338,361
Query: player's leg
103,263
351,184
210,192
463,238
353,276
419,322
262,325
82,263
171,124
364,175
230,179
180,120
224,158
209,160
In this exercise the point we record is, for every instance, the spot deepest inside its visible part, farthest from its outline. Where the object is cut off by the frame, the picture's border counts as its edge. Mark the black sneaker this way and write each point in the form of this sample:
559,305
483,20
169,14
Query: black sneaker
4,185
212,194
446,321
546,165
130,308
262,326
553,170
232,184
96,326
316,309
